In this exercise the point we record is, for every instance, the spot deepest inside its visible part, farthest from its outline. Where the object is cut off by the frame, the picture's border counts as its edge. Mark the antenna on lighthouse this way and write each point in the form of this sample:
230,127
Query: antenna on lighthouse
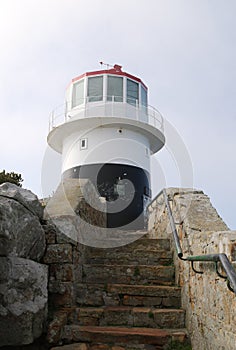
105,64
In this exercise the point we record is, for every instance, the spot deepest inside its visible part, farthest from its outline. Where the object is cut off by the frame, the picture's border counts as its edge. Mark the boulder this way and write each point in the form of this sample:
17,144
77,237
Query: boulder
23,300
21,233
25,197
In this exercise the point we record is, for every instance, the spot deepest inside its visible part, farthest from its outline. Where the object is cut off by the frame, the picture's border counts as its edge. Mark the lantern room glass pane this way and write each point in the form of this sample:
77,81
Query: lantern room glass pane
78,93
95,89
143,97
114,89
132,92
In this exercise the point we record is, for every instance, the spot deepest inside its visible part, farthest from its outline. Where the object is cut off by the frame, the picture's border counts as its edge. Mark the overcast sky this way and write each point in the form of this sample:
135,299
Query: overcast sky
183,50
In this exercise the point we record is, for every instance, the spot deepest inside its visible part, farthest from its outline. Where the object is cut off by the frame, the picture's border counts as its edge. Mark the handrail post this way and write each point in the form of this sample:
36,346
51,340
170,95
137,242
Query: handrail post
172,224
229,269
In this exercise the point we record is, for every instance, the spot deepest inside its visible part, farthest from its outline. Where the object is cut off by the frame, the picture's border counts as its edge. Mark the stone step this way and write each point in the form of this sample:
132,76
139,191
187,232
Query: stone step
107,346
112,239
135,257
129,316
124,335
128,274
130,295
143,243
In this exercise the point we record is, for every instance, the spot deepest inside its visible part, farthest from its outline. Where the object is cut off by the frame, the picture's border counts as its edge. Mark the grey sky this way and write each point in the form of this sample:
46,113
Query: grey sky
184,50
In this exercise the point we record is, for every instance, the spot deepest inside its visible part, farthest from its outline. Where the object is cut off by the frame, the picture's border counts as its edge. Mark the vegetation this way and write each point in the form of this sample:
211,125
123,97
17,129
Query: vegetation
151,315
136,271
11,177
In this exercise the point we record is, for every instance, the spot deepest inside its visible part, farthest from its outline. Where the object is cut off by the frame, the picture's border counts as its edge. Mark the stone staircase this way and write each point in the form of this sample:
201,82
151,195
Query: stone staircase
127,299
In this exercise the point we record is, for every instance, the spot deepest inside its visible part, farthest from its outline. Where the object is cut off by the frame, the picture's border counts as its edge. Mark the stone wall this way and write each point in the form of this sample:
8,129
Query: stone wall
41,257
77,210
210,305
23,278
75,216
62,257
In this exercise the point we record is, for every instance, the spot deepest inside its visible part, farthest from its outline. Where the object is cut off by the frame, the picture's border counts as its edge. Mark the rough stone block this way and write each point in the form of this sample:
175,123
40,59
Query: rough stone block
137,300
79,346
58,253
25,197
143,317
61,294
128,274
23,296
117,316
56,326
169,318
21,233
62,272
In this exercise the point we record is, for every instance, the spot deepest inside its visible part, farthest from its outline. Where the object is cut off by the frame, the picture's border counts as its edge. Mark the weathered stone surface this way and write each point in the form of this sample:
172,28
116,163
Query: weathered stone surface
78,346
131,274
61,294
198,214
75,208
62,272
23,300
58,253
116,335
131,316
50,232
55,327
136,253
25,197
129,295
20,231
210,306
145,290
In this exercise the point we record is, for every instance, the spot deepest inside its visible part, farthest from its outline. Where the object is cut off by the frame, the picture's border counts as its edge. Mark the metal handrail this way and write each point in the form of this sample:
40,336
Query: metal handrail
173,227
65,112
221,257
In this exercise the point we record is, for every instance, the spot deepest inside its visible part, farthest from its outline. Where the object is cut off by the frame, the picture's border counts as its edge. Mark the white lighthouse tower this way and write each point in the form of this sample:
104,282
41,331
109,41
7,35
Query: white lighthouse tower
107,134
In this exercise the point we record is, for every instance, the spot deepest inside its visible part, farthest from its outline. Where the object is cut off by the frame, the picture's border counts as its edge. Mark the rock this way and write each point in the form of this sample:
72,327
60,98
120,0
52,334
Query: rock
23,300
58,253
198,214
55,327
25,197
20,231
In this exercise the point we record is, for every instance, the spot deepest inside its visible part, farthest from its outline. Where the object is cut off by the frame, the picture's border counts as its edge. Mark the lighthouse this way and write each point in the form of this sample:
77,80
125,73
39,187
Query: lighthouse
107,133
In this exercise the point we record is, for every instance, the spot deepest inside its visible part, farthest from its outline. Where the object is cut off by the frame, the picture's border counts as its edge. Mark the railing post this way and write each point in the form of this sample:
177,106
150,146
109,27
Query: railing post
172,224
52,120
112,106
230,270
137,111
85,107
65,111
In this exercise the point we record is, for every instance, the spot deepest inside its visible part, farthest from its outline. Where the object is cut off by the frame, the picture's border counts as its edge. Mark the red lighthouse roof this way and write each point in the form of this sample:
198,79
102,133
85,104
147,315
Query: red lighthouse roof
115,70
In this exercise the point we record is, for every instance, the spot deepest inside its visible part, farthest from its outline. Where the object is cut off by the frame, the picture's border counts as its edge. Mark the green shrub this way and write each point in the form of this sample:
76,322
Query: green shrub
11,177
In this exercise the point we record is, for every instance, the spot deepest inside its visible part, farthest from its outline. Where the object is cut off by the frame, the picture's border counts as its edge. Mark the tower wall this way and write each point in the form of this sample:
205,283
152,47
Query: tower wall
115,145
